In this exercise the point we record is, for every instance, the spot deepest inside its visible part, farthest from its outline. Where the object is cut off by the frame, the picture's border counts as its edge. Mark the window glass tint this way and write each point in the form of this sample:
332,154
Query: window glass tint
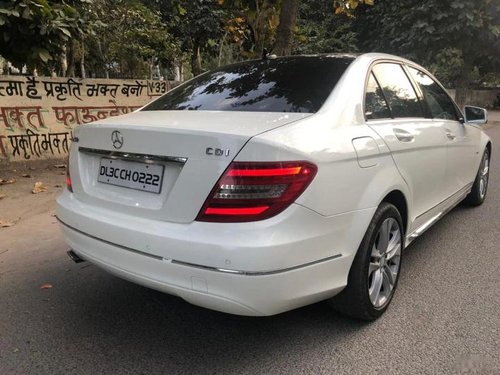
375,104
398,90
436,98
294,84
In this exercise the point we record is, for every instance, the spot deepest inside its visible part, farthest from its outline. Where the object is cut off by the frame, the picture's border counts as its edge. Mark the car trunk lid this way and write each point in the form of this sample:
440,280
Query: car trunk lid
190,149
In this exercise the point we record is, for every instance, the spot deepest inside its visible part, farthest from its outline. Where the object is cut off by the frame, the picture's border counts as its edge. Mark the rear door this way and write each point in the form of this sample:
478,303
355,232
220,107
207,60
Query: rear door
460,153
417,143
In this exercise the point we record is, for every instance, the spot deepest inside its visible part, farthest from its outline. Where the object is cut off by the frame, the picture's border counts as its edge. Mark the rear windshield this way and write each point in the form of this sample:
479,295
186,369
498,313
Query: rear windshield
293,84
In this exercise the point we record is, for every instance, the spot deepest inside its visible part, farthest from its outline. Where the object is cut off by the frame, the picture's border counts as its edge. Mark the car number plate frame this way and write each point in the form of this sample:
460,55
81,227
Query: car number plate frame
133,175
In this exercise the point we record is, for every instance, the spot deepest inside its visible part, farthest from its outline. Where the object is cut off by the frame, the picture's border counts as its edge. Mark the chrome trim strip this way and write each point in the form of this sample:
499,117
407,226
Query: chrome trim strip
465,189
462,193
255,273
144,158
421,229
207,268
157,257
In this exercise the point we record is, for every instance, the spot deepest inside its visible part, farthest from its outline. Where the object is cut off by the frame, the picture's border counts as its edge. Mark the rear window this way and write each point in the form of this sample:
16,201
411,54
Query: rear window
398,90
292,84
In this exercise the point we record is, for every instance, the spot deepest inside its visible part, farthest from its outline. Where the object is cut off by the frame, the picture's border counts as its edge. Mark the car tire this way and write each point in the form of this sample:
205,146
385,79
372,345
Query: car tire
370,268
479,189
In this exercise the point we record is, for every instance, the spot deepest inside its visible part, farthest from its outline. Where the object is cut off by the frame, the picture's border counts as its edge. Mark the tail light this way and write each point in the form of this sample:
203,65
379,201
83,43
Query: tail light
251,191
69,185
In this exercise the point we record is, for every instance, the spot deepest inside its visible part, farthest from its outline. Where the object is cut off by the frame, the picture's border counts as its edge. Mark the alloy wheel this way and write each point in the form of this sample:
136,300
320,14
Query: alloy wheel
384,263
484,175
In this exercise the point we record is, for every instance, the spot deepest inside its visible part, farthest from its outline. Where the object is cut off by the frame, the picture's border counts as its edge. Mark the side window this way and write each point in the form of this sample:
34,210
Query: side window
375,104
398,90
436,98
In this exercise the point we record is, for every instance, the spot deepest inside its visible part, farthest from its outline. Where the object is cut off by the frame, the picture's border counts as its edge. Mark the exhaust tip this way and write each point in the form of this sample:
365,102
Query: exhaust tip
74,257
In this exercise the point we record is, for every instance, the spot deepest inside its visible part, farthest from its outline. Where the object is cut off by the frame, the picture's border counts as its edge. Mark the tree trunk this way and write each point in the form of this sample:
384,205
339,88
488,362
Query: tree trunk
196,60
464,81
286,27
63,61
151,68
221,47
82,60
106,70
70,72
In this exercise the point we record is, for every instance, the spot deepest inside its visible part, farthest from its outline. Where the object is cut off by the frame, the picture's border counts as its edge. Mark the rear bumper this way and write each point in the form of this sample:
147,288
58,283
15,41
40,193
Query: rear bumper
300,267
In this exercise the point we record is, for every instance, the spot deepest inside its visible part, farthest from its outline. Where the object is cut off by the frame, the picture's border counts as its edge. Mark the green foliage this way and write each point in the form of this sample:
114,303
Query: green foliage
458,40
253,24
34,32
349,6
429,30
321,30
128,39
447,65
197,25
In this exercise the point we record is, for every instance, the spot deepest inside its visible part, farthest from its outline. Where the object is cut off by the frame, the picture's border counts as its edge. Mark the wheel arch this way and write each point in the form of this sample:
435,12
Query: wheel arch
398,199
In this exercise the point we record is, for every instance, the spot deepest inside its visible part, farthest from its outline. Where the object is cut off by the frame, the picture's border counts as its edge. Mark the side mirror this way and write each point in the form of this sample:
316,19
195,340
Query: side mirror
475,115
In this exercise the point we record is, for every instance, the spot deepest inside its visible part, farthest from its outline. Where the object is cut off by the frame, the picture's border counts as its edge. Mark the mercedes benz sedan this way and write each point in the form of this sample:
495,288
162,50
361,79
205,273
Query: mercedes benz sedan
271,184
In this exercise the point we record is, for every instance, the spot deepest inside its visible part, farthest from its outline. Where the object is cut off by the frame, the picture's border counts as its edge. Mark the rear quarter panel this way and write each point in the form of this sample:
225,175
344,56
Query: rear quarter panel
341,184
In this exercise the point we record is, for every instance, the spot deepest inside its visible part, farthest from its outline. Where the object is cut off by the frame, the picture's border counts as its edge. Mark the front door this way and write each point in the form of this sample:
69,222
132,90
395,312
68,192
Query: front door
460,153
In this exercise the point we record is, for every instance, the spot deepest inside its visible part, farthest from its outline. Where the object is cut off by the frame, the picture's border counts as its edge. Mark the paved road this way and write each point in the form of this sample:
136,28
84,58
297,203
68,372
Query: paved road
445,317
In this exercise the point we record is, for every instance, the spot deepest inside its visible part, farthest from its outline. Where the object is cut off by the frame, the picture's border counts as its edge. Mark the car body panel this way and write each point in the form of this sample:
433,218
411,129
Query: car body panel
277,243
299,256
421,161
167,134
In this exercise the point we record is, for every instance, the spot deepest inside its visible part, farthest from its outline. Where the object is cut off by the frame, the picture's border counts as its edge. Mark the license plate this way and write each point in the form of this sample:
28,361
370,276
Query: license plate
130,174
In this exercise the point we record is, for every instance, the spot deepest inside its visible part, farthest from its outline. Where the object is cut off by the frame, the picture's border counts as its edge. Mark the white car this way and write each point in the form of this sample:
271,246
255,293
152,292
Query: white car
272,184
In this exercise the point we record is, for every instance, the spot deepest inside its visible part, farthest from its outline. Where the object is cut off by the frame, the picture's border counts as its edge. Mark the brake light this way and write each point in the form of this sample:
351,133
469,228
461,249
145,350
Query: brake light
251,191
69,185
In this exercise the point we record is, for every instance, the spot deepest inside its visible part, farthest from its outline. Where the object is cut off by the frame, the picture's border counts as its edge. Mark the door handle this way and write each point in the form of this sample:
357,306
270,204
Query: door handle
403,135
449,134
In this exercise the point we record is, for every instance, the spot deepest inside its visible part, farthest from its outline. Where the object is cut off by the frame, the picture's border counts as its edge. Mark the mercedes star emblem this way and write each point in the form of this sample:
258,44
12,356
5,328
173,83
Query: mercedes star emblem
117,139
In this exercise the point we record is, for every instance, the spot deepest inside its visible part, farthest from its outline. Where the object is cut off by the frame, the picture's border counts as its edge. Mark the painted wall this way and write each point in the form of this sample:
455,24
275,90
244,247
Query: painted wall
479,98
38,114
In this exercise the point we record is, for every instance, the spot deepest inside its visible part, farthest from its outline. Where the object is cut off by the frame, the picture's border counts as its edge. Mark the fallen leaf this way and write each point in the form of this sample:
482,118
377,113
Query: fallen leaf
2,196
38,188
7,182
6,223
58,185
46,286
63,173
26,175
60,166
15,350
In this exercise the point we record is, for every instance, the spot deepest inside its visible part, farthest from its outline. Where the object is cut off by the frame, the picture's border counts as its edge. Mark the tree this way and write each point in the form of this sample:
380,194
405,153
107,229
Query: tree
196,24
130,40
321,30
35,32
288,18
260,20
423,29
286,28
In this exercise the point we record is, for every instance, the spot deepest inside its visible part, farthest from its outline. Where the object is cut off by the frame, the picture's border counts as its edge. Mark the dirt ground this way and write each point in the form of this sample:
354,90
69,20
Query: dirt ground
17,201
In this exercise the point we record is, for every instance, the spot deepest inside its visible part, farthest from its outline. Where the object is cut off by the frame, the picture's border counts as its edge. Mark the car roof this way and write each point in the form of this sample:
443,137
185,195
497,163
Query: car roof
369,56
